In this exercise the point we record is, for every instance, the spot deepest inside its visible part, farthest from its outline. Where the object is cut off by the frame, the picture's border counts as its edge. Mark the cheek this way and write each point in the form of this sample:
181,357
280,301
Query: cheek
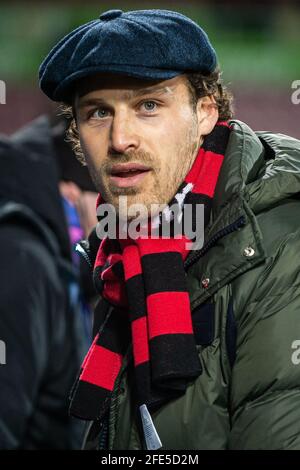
176,134
178,126
92,146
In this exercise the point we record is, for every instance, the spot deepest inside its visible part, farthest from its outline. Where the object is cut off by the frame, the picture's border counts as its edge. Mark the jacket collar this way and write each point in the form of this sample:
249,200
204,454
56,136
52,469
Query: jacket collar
243,156
230,247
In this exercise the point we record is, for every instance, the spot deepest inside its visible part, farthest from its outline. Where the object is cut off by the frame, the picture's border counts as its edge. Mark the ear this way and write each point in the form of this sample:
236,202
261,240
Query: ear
208,114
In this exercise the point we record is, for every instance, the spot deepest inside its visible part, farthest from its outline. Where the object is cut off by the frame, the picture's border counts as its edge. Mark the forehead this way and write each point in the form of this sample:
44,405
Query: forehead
128,86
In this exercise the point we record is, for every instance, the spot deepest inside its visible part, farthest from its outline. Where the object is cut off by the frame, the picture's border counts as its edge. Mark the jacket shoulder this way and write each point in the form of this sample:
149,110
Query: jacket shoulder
278,140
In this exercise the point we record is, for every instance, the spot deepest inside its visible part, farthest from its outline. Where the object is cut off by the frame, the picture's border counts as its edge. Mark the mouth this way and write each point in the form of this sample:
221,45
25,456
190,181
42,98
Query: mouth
128,174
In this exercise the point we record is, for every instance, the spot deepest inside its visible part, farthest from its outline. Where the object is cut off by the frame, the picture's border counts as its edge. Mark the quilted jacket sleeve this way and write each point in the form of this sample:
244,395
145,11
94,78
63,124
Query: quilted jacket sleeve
41,353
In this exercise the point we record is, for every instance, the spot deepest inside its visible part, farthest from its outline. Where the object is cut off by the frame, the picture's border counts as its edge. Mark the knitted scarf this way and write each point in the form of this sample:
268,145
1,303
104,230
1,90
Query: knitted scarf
145,282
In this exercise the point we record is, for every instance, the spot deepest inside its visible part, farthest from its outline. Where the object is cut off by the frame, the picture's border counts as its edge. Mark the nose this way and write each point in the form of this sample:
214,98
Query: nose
123,135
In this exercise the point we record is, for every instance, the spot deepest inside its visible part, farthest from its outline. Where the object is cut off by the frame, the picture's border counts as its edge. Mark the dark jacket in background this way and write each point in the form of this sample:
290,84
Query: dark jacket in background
38,322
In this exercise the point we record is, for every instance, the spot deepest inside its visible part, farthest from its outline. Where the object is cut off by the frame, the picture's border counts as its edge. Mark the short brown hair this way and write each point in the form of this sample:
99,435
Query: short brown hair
199,84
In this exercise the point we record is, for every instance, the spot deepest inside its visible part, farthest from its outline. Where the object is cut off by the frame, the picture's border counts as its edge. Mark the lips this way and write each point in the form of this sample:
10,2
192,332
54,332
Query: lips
128,174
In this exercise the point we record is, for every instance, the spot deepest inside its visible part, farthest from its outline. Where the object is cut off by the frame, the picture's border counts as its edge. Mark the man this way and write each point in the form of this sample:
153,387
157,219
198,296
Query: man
195,344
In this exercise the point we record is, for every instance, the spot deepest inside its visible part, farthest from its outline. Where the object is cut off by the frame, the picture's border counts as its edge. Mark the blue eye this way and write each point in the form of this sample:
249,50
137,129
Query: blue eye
100,113
149,105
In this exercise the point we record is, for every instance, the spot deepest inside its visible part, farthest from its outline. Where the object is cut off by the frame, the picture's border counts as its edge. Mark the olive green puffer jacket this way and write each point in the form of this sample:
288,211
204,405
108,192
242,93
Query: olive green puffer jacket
244,289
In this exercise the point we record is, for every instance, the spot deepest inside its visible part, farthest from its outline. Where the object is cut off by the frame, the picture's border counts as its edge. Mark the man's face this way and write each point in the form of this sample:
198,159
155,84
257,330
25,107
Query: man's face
139,138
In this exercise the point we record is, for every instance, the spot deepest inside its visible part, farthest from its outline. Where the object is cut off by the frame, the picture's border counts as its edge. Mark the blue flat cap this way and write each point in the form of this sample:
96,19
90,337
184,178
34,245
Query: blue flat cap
148,44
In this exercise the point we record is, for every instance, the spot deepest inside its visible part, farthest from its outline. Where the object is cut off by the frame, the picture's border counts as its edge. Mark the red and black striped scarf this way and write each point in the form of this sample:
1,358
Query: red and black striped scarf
145,281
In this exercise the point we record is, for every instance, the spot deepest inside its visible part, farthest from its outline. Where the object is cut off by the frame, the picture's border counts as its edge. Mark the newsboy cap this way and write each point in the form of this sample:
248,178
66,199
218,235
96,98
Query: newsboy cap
148,44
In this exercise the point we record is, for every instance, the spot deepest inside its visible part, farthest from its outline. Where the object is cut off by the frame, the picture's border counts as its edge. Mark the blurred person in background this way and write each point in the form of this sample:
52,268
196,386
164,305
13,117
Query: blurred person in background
79,201
41,299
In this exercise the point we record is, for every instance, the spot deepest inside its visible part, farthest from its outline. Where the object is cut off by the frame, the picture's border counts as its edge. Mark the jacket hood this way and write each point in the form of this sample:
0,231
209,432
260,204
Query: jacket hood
279,177
29,177
261,166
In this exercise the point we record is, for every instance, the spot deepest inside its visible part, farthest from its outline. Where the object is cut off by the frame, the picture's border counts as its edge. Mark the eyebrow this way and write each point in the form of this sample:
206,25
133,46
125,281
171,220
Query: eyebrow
90,102
127,95
159,90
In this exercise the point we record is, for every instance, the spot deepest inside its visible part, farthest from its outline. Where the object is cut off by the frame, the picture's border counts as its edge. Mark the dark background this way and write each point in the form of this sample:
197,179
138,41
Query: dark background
258,46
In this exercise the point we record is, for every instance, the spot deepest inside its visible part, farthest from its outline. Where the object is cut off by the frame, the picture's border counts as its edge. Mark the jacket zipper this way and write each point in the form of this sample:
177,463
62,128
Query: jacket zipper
82,252
103,434
240,222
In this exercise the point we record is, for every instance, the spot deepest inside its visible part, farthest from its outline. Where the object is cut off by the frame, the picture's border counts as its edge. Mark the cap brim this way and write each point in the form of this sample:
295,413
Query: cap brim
65,90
